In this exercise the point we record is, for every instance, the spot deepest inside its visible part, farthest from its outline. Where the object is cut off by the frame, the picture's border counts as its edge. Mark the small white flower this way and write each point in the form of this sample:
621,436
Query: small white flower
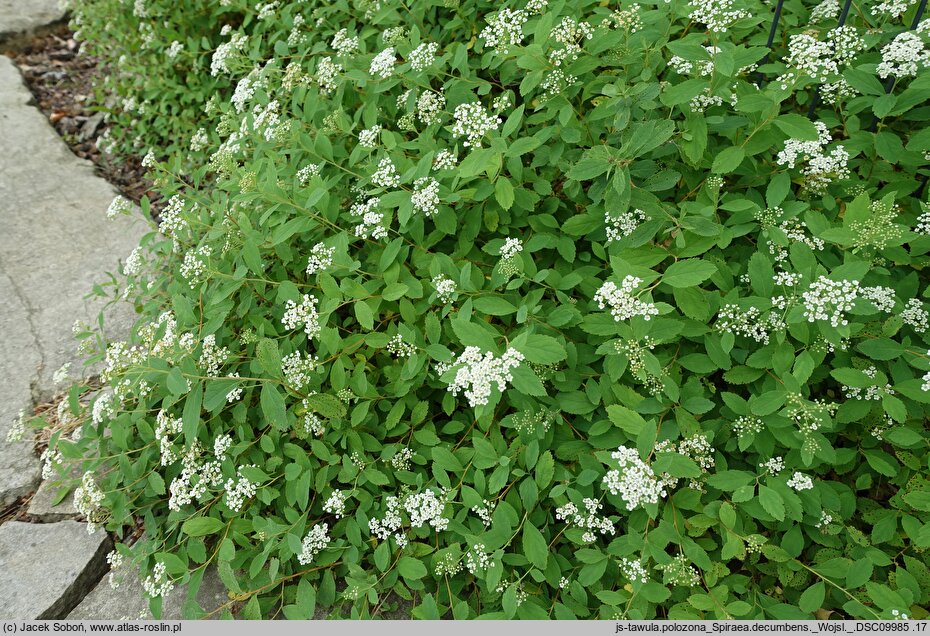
800,481
623,305
383,63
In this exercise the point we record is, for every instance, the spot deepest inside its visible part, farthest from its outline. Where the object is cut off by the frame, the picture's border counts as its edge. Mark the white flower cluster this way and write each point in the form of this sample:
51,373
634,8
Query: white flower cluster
368,138
915,315
882,297
873,392
847,43
589,520
504,30
446,160
239,490
17,428
425,508
320,259
314,543
308,172
88,501
401,459
892,8
826,10
800,481
747,425
810,57
221,446
445,288
485,511
343,44
511,247
634,480
400,348
119,205
570,34
633,571
478,372
425,197
718,15
626,19
623,305
903,56
423,56
158,583
52,461
220,62
749,323
473,122
336,504
196,478
116,561
327,72
166,428
303,314
478,558
298,370
211,356
371,220
386,175
821,168
383,64
621,226
830,300
429,106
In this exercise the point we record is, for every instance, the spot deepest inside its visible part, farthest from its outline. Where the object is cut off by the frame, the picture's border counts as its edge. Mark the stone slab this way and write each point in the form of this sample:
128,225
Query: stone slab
41,506
47,568
25,16
128,600
55,245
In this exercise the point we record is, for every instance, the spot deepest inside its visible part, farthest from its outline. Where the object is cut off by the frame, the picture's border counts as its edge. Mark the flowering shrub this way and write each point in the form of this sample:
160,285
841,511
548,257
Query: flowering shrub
553,310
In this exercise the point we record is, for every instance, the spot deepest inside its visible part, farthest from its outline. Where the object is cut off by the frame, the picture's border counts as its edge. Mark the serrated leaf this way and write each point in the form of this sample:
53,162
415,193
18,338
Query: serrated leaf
688,272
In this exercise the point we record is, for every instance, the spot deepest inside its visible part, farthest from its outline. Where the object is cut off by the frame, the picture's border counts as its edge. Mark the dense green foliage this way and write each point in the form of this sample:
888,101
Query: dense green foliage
655,253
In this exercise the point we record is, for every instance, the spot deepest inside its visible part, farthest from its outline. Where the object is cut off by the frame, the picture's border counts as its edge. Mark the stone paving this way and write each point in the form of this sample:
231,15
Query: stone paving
55,244
21,17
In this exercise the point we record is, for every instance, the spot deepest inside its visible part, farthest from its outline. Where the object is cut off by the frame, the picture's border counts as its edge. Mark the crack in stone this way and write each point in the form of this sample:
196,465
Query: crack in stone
30,312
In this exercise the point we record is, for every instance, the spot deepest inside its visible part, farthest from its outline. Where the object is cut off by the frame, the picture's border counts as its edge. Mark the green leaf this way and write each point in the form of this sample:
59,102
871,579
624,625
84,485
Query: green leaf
630,421
772,502
503,192
545,469
918,500
394,291
273,407
541,349
202,526
176,382
269,357
190,417
859,572
364,314
326,405
535,546
411,569
812,598
593,163
797,127
688,273
728,160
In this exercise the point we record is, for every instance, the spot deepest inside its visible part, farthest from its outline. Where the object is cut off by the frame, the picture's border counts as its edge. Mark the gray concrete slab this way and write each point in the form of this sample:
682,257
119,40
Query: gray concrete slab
25,16
47,568
128,600
55,244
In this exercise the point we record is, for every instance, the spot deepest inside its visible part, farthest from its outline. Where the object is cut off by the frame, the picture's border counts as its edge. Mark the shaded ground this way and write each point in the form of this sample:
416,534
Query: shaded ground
62,82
